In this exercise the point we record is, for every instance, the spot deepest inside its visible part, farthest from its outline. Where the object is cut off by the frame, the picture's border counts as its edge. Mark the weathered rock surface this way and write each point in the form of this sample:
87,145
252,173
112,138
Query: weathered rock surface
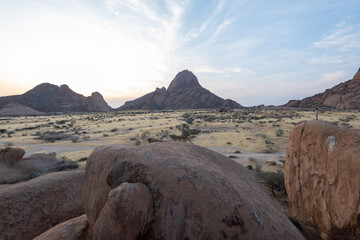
30,208
196,194
14,168
345,95
11,156
47,98
322,175
127,213
184,92
73,229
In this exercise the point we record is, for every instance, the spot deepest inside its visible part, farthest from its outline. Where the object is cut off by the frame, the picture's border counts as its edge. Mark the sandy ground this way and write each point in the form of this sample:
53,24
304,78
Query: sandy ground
260,135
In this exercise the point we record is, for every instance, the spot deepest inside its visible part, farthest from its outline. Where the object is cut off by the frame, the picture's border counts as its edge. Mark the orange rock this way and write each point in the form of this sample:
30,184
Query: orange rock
322,174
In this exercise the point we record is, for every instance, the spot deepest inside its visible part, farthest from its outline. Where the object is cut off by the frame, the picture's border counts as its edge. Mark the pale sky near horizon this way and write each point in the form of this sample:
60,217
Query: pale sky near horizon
252,51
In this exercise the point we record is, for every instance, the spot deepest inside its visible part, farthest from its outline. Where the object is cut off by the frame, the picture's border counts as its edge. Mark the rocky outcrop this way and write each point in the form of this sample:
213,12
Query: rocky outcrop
345,95
14,168
184,92
49,98
73,229
168,190
128,213
30,208
322,175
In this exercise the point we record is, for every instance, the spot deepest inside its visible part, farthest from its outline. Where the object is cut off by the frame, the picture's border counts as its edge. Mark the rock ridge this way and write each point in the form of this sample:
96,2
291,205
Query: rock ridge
345,95
184,92
50,98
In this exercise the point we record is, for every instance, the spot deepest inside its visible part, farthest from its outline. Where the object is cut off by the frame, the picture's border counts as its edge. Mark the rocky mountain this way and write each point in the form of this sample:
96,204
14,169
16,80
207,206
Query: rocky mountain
46,98
345,95
184,92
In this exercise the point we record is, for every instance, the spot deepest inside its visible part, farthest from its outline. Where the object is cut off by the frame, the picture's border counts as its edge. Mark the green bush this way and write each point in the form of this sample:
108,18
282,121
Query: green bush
279,132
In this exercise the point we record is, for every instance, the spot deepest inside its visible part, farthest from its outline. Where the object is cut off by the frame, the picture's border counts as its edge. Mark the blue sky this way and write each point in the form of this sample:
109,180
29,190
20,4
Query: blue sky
254,52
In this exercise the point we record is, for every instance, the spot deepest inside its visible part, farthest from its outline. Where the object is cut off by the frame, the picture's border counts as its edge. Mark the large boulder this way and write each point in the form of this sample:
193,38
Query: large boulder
73,229
322,175
30,208
195,194
14,168
127,213
10,156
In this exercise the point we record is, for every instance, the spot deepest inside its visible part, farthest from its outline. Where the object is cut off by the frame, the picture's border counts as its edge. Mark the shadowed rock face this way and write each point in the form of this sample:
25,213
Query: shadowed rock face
14,168
322,175
184,92
187,192
345,95
48,98
30,208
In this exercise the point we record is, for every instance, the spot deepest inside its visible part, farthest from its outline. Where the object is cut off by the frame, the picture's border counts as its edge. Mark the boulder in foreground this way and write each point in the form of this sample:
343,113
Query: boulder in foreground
73,229
14,168
188,192
30,208
322,176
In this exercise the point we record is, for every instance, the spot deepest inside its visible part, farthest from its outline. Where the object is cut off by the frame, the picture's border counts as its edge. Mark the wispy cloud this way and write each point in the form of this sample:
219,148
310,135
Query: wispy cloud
194,33
226,70
344,36
332,77
220,28
325,60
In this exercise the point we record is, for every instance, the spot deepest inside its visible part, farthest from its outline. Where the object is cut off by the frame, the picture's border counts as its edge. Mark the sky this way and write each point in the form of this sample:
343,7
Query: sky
254,52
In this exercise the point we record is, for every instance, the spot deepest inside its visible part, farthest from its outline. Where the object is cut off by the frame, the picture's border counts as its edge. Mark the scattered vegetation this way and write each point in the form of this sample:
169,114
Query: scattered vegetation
273,180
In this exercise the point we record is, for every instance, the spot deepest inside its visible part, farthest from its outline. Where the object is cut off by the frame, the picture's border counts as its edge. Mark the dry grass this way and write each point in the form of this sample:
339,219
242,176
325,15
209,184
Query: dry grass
257,131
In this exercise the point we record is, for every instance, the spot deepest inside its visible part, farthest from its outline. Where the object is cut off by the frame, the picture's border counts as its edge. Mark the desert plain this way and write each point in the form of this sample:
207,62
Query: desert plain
256,137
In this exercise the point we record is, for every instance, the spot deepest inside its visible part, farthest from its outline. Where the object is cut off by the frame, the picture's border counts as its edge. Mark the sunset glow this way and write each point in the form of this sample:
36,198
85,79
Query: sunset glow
254,52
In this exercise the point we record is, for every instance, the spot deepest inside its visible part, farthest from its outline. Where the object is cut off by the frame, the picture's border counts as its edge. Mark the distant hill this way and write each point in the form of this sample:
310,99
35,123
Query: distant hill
184,92
49,98
345,95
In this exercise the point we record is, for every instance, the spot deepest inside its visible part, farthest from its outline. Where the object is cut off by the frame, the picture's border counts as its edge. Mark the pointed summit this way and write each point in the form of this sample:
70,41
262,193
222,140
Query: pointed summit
184,92
184,79
357,75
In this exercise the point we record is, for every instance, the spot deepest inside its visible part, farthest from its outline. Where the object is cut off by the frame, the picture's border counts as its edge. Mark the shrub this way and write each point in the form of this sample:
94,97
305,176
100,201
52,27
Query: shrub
253,160
75,139
186,133
189,120
53,154
279,132
274,180
250,167
82,159
271,163
51,136
137,142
